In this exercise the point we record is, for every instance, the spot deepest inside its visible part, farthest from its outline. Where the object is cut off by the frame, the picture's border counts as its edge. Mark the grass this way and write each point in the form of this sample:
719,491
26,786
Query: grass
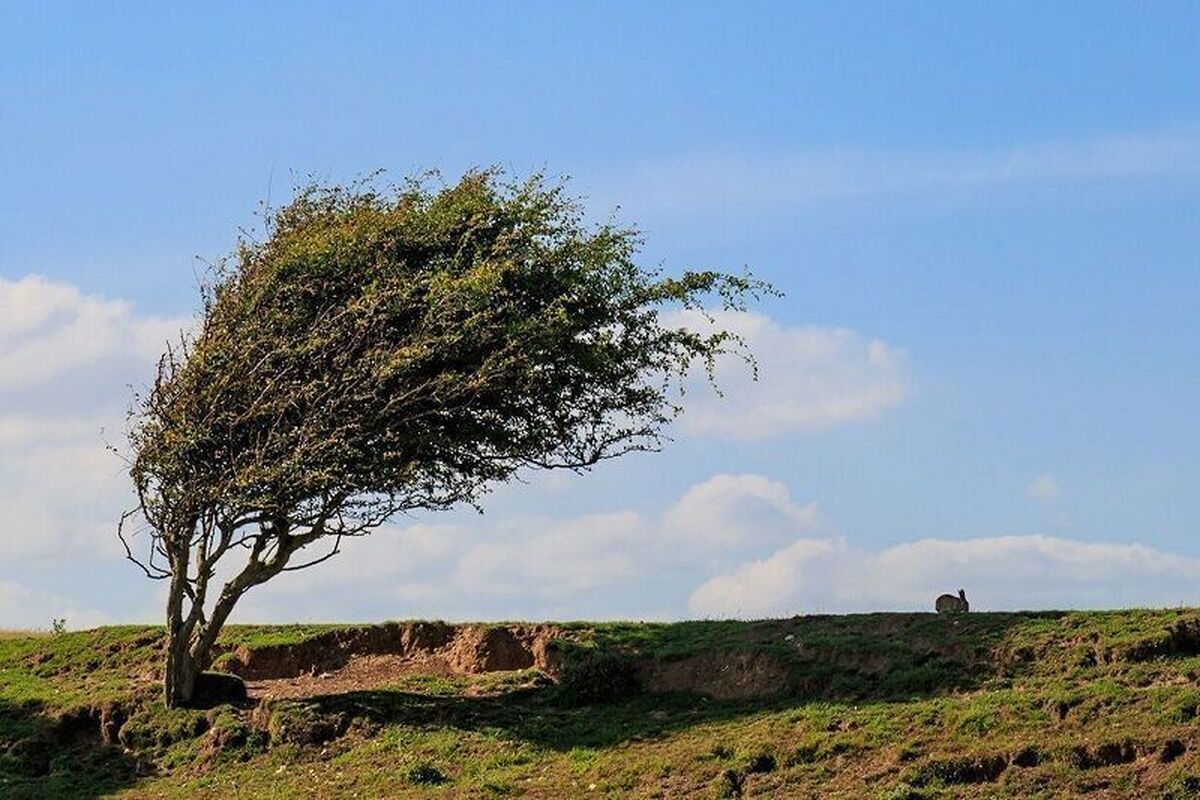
1097,704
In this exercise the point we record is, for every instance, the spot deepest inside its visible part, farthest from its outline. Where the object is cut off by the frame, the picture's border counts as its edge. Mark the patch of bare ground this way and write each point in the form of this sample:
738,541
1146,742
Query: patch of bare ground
721,675
373,657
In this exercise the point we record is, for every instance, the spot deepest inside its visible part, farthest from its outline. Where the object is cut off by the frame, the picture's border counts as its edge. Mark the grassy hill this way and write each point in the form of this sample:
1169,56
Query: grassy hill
1098,704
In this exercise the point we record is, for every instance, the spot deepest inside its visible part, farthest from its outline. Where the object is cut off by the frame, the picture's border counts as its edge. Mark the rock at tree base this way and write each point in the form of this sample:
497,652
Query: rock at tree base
217,688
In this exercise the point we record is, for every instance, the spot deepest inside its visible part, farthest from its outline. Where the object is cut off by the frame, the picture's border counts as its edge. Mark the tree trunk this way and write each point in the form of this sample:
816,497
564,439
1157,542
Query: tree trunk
181,669
191,639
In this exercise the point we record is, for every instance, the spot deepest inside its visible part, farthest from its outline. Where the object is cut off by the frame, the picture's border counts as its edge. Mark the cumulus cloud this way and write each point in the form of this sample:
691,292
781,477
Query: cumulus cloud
583,565
735,510
66,361
734,545
1004,572
809,379
49,329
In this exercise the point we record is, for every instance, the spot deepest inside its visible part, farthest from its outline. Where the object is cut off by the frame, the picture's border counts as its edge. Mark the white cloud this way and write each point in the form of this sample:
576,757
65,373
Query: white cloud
737,544
765,587
66,362
1005,572
736,509
727,183
552,565
48,329
809,379
25,608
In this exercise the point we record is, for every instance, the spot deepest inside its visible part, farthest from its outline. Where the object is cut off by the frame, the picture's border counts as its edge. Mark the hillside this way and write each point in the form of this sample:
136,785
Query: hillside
1098,704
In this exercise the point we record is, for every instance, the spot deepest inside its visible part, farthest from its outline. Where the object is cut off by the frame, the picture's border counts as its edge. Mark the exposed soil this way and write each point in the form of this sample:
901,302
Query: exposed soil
371,657
721,675
360,659
361,673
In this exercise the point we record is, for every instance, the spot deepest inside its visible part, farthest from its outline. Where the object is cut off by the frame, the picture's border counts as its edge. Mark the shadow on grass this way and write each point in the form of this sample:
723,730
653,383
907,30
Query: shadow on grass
536,716
860,659
42,757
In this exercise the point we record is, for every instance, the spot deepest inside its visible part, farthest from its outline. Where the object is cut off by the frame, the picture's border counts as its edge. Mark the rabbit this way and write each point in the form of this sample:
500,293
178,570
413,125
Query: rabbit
949,604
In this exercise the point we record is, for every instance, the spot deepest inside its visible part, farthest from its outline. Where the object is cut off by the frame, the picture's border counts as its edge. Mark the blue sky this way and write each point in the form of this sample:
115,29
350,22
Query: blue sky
986,221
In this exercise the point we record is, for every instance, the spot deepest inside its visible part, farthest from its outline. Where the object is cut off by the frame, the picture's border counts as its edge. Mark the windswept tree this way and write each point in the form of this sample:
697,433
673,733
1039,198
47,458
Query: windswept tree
380,352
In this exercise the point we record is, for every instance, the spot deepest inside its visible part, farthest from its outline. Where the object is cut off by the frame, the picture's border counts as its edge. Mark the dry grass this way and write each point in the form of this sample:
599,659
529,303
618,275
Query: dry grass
13,633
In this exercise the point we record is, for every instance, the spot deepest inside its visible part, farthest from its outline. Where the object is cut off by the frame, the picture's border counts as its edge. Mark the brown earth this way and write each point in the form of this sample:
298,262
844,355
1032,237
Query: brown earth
357,659
721,675
354,659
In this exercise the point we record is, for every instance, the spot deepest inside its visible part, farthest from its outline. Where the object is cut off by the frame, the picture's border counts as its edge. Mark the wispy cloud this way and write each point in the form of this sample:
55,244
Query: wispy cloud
740,183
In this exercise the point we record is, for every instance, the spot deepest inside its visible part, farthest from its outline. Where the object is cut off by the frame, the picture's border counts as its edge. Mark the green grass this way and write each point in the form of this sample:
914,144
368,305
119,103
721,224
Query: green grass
1097,704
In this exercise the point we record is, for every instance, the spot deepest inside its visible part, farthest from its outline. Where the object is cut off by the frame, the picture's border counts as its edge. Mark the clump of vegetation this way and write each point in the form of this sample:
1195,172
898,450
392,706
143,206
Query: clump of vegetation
155,729
598,676
730,785
232,738
962,769
425,774
300,723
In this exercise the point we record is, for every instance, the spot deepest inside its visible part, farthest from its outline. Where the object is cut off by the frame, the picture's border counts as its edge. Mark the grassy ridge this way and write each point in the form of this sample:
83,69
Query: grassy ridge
1097,704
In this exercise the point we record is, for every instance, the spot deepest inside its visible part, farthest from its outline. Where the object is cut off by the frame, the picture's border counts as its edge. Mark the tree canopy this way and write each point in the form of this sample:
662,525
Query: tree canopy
381,351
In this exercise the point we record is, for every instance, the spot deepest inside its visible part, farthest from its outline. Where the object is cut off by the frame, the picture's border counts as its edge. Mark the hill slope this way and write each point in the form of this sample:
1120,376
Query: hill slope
1098,704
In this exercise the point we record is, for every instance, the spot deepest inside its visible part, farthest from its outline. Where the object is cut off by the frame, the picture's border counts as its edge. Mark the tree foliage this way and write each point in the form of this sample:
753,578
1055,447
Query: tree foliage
382,351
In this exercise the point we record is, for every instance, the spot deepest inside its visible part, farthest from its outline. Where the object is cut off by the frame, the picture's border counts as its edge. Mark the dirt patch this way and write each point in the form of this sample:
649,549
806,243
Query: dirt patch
730,675
360,673
362,658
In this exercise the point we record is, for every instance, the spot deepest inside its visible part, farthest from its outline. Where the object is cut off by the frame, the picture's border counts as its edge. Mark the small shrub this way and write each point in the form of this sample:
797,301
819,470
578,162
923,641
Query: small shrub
1171,750
303,724
906,791
597,677
58,626
730,785
760,762
425,774
232,739
959,770
1027,756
